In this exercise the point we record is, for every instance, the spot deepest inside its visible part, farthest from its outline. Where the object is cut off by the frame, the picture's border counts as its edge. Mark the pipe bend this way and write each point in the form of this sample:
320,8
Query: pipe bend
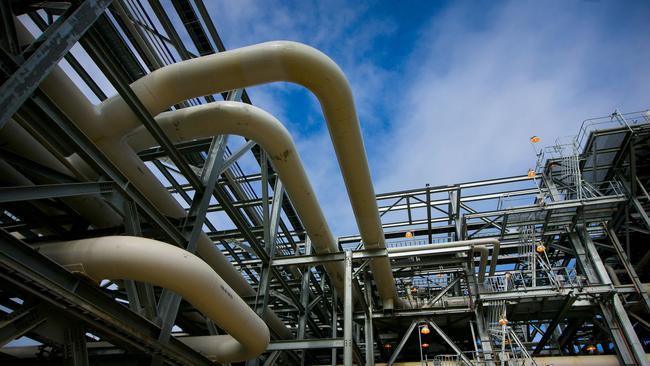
276,61
260,64
235,118
161,264
473,243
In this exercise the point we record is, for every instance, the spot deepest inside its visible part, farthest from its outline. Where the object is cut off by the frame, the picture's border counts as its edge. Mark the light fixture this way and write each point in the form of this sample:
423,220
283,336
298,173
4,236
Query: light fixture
425,345
540,248
425,329
414,290
388,346
408,235
503,321
590,348
534,139
531,173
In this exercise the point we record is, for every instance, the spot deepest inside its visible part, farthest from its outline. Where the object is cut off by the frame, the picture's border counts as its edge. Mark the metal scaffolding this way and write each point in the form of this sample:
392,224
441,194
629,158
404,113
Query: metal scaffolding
570,269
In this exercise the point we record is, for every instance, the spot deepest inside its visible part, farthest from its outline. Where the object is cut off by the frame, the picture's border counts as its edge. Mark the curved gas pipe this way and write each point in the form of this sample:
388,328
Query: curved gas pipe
234,118
164,265
263,63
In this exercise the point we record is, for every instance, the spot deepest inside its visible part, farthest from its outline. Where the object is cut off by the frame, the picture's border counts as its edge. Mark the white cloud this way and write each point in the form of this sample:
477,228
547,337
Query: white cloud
462,105
475,92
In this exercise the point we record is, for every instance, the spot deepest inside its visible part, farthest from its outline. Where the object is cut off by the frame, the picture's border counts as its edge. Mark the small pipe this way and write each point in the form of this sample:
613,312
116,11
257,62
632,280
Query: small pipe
164,265
483,250
473,243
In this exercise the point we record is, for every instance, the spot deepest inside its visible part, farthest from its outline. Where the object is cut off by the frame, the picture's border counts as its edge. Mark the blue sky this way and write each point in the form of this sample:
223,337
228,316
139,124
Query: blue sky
449,91
446,91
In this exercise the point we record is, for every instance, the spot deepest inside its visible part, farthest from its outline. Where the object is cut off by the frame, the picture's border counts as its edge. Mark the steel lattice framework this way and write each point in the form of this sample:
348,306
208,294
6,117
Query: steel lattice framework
569,272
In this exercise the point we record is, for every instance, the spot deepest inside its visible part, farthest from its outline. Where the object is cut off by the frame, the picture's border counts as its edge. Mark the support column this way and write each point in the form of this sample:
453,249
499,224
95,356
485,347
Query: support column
484,337
348,347
334,322
628,347
368,327
304,299
75,352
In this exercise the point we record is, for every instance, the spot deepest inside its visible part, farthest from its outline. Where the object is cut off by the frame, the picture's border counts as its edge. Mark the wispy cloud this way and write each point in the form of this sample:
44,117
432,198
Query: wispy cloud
348,34
480,79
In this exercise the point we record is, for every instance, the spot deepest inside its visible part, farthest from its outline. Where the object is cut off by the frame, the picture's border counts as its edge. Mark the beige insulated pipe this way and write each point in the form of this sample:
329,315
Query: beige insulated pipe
473,243
68,97
16,139
164,265
263,63
234,118
259,64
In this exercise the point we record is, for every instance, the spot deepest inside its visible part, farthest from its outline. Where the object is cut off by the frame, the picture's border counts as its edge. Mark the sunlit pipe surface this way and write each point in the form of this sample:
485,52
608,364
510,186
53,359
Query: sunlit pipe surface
70,99
496,245
235,118
263,63
164,265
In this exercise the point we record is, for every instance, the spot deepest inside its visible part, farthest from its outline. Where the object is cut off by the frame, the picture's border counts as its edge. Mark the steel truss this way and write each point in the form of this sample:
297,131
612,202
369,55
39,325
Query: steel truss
583,292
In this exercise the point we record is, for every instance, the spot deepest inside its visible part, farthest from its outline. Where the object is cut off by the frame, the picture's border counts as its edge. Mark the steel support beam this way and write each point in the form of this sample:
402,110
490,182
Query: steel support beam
444,291
451,343
170,301
368,328
554,323
47,191
305,344
35,274
142,298
304,294
20,322
628,347
8,37
629,268
401,343
74,349
272,358
335,323
347,312
64,33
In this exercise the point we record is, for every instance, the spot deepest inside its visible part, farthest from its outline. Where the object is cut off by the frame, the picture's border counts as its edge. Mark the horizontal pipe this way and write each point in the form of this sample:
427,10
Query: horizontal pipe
235,118
16,139
165,265
495,243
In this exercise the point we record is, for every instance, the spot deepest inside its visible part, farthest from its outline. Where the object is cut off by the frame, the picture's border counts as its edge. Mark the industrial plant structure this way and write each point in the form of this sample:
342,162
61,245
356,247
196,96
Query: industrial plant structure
110,255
